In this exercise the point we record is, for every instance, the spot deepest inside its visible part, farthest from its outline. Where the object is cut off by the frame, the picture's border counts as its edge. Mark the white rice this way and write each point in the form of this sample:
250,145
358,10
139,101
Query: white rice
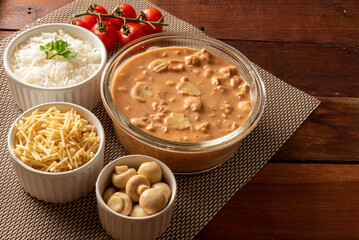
30,65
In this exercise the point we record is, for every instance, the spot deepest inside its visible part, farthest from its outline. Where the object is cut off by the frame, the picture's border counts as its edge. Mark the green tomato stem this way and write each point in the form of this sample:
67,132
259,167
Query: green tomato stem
112,15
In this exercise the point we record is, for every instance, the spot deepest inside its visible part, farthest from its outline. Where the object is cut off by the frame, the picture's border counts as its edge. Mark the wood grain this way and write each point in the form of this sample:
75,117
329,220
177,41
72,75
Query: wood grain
15,14
4,34
319,70
329,134
329,22
312,21
292,201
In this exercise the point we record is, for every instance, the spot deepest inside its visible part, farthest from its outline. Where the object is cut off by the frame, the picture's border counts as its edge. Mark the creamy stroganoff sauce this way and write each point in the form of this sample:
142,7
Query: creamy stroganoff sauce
182,94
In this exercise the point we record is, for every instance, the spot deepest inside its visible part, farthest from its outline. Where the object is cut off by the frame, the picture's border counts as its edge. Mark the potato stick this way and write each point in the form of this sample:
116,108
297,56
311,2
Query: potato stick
54,141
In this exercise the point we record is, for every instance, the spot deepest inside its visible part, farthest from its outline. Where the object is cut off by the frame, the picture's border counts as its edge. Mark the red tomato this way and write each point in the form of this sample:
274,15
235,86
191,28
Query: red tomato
134,31
127,11
81,23
153,15
92,20
106,32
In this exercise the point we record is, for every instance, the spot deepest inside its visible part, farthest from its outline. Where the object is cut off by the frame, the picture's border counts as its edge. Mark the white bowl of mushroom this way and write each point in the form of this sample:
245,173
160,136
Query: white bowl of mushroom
135,197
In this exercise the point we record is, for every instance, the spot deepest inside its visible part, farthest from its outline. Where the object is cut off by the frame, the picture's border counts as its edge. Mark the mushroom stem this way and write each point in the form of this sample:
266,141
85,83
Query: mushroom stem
116,203
121,169
141,188
108,193
120,203
119,179
135,186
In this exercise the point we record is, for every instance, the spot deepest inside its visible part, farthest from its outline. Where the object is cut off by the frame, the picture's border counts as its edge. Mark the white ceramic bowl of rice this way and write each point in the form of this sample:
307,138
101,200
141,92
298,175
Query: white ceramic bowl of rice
34,79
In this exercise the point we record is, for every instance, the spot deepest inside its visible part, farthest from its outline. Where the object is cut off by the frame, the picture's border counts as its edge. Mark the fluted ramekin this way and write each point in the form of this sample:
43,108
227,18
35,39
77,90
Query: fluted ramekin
64,186
85,93
125,227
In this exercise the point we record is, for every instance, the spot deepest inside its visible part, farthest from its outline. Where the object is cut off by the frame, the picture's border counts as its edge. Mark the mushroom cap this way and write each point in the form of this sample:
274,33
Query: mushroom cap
153,200
120,180
135,186
165,188
108,193
151,170
137,211
120,203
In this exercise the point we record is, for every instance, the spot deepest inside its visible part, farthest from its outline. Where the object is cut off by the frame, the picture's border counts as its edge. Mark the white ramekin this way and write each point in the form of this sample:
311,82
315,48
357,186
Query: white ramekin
85,93
64,186
125,227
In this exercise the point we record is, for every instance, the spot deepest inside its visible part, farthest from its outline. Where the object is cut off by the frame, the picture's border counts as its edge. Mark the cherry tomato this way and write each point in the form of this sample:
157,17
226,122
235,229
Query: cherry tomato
92,20
127,11
153,15
130,32
81,23
106,32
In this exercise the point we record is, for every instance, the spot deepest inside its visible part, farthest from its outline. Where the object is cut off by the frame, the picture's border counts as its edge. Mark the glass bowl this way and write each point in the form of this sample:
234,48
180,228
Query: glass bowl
182,157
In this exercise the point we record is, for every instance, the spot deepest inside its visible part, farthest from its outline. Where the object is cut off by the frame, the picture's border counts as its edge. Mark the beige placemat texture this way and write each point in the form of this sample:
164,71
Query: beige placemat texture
200,196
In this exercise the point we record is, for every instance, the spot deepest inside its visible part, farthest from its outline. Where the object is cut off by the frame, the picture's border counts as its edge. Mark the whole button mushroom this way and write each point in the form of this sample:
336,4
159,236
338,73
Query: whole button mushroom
165,188
135,186
120,203
153,200
152,171
122,175
137,211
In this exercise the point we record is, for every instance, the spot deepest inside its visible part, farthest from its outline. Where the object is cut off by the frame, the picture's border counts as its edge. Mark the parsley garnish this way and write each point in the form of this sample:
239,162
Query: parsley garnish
60,47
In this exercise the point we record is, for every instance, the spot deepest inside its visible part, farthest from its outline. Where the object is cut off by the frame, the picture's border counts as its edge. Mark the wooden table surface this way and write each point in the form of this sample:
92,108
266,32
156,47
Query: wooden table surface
310,188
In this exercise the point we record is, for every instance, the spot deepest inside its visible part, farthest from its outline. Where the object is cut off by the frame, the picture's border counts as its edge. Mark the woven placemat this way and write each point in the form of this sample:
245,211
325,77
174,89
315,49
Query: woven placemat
199,197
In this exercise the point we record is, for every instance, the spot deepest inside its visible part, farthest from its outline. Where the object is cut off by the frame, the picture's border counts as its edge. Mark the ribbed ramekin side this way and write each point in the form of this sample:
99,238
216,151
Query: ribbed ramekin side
86,95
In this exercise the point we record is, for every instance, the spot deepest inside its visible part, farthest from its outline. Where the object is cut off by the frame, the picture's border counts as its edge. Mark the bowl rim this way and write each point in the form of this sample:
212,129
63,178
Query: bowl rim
95,40
164,167
212,145
94,121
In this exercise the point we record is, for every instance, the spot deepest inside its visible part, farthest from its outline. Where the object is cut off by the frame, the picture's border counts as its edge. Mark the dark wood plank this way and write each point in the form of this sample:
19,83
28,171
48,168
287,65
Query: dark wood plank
319,70
4,34
292,201
329,134
312,21
16,14
330,22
